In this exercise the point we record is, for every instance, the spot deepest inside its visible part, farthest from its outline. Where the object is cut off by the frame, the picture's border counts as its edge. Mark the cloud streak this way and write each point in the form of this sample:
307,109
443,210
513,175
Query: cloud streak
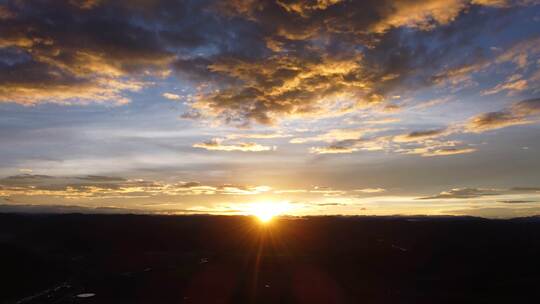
218,145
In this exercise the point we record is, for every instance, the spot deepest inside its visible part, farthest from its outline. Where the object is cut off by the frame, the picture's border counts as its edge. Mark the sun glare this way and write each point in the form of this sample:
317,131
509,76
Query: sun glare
266,211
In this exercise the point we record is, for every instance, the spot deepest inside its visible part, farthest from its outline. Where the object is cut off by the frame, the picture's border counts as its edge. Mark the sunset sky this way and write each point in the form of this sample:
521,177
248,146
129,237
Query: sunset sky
373,107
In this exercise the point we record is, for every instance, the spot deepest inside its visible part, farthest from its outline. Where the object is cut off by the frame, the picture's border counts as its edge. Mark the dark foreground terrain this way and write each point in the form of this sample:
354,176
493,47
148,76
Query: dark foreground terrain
202,259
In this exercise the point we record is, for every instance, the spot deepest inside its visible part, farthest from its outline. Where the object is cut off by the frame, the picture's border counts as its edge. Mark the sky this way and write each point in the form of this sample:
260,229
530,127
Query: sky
313,107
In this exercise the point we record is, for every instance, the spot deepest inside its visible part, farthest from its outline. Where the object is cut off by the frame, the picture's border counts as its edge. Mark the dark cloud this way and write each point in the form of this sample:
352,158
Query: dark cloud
94,51
251,61
331,51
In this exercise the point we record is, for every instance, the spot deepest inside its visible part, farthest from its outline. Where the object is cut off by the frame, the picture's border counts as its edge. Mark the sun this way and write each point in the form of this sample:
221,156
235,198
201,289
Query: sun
264,217
266,211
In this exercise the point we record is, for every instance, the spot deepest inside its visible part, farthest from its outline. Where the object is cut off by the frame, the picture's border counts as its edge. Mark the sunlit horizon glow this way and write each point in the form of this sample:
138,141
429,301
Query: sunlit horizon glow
418,107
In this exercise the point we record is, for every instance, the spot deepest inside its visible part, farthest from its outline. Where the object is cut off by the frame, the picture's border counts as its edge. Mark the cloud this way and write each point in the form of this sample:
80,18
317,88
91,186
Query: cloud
463,193
217,145
62,209
423,143
57,52
494,120
378,16
99,178
28,176
335,135
332,149
424,15
525,189
242,190
171,96
519,113
313,65
420,135
305,7
448,151
529,107
262,135
371,190
514,84
282,86
74,67
249,61
520,55
5,13
327,191
104,187
190,185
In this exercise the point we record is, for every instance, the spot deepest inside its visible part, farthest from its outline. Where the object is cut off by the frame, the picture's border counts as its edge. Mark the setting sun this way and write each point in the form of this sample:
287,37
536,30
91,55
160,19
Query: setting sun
265,217
266,211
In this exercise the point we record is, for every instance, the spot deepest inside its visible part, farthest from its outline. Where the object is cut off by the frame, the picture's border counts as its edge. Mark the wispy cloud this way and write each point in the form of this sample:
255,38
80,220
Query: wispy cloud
218,145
